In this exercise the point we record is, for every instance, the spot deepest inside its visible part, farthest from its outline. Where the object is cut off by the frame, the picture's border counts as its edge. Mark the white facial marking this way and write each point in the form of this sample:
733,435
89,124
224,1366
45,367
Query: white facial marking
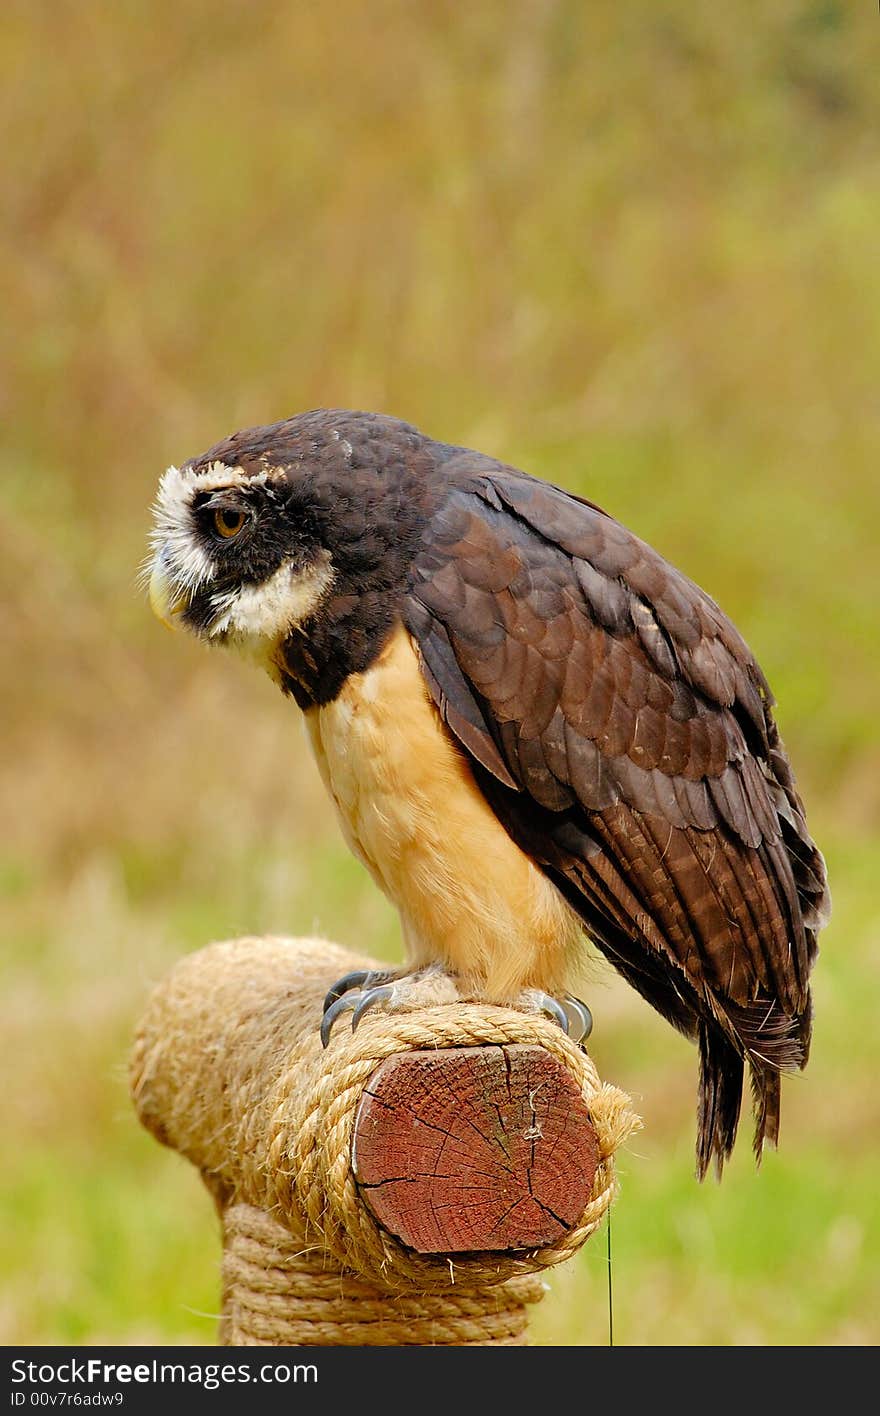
182,559
184,562
251,618
270,610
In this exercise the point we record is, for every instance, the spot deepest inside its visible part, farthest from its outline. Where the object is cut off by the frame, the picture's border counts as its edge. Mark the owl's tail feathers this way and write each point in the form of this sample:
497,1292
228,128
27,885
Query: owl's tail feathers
719,1098
772,1042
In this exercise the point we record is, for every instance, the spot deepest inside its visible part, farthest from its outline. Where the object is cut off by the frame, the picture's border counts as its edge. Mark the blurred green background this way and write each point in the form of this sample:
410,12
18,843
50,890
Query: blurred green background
630,248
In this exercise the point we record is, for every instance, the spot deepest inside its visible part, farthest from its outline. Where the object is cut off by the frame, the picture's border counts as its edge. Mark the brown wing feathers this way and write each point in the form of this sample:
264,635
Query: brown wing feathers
622,732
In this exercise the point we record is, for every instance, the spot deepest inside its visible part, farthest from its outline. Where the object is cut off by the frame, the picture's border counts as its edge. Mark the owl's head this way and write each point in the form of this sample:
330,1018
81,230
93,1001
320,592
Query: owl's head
276,525
236,553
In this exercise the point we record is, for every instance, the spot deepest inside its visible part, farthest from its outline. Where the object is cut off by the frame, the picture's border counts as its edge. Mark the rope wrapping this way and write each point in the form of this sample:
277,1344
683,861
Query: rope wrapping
228,1069
276,1292
310,1148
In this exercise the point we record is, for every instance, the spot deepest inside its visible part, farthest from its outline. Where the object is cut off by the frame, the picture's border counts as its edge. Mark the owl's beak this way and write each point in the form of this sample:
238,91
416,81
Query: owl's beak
165,601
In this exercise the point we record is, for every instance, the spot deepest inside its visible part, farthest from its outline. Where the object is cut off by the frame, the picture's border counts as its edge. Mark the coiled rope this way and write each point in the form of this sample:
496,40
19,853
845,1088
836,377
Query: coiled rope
228,1069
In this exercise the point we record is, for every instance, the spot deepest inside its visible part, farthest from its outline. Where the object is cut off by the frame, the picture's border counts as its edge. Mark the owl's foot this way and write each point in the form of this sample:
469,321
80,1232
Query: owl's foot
580,1019
358,992
361,979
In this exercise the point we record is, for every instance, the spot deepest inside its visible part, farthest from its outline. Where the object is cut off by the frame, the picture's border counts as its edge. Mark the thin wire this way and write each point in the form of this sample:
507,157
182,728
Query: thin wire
610,1289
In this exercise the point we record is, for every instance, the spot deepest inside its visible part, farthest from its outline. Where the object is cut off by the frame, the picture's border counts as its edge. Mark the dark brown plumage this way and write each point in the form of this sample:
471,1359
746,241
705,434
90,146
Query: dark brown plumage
613,718
639,763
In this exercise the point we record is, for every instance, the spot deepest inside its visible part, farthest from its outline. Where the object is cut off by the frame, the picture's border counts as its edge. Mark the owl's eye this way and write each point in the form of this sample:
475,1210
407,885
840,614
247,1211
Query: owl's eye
227,522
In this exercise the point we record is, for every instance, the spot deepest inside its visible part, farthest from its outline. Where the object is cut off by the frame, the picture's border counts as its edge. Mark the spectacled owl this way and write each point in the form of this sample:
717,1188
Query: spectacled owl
535,730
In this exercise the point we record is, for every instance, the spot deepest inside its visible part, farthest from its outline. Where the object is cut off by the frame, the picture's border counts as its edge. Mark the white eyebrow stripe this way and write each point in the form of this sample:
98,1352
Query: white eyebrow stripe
183,560
215,476
186,563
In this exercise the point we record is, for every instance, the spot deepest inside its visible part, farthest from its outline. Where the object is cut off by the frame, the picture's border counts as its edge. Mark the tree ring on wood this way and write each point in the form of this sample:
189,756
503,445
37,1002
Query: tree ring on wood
458,1150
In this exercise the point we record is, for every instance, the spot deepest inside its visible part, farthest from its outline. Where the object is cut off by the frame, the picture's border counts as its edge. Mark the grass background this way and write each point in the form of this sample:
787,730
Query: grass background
632,249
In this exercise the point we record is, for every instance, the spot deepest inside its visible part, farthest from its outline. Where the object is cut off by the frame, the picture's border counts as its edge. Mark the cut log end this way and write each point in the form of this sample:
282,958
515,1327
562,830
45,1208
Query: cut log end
466,1149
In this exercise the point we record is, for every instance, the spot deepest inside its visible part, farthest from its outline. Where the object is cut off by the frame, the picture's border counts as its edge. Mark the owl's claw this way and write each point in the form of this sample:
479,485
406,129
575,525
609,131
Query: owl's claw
362,990
573,1016
368,999
344,984
355,992
360,979
554,1009
339,1005
580,1019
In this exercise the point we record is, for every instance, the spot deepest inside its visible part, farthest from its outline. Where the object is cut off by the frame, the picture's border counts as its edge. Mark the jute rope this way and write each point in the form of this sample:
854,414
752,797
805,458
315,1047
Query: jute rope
310,1140
279,1293
228,1069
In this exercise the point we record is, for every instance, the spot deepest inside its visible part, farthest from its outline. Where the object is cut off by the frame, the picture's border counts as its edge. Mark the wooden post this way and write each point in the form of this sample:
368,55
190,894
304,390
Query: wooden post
475,1148
408,1184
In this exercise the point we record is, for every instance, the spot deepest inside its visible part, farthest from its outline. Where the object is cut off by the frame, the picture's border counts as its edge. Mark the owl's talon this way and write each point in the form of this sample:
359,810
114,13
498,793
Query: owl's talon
361,979
339,1005
554,1009
344,985
368,999
580,1019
